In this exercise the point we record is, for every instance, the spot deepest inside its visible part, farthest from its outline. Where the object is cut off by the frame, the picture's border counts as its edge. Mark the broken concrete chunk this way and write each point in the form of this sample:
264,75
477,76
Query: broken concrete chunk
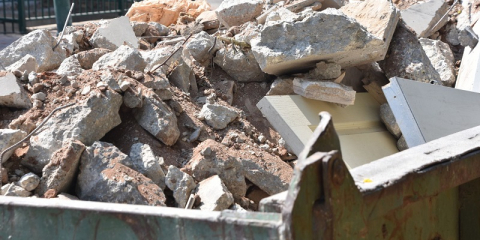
407,59
27,63
29,181
270,173
60,172
214,196
109,78
424,18
158,55
158,119
281,86
208,19
139,28
389,120
88,58
70,67
124,57
8,137
115,34
105,177
227,167
324,91
14,191
182,76
181,184
87,122
441,57
202,48
324,71
39,44
285,47
240,65
402,144
281,14
132,100
145,162
12,94
217,116
236,12
227,88
165,12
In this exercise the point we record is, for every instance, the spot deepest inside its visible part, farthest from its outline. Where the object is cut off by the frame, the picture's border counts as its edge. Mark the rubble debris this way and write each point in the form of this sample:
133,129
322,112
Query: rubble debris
70,67
183,76
154,30
402,144
228,168
202,47
12,94
87,122
441,57
39,44
89,57
214,196
278,54
236,12
388,119
324,90
8,137
324,71
158,119
13,190
105,177
146,163
181,184
240,64
114,34
468,73
27,63
281,86
217,116
426,18
139,28
60,172
4,177
209,20
165,12
124,57
407,59
29,181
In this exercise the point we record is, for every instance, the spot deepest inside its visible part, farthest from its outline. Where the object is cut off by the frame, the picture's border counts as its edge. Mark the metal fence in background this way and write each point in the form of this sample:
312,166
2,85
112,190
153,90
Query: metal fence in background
16,15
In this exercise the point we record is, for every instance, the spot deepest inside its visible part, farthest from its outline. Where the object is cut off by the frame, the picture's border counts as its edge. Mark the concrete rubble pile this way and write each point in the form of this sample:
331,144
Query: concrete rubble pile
163,99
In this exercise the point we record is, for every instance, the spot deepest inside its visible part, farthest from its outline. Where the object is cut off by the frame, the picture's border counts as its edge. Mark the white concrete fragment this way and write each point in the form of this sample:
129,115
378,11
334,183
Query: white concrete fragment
39,44
389,120
442,59
27,63
423,17
14,190
70,67
217,116
214,196
241,66
325,91
124,57
29,181
181,184
145,162
236,12
115,34
12,94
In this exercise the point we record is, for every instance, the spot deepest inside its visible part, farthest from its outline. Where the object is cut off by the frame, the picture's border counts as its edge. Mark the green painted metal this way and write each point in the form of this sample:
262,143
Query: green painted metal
62,8
429,192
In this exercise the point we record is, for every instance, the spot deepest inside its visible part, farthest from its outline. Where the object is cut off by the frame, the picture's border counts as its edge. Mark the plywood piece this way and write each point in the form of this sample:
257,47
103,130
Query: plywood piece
375,90
436,111
363,137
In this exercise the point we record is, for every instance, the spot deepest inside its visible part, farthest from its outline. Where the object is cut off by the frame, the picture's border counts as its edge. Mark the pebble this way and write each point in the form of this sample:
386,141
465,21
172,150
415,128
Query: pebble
124,85
74,84
206,152
37,87
262,138
86,90
29,181
32,78
37,104
39,96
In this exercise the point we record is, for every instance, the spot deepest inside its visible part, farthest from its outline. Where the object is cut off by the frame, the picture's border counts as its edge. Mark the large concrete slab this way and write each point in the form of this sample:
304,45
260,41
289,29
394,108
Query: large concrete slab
426,112
469,73
363,137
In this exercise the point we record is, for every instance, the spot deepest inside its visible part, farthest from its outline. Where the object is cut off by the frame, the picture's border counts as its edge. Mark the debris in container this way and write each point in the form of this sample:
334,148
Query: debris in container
160,105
